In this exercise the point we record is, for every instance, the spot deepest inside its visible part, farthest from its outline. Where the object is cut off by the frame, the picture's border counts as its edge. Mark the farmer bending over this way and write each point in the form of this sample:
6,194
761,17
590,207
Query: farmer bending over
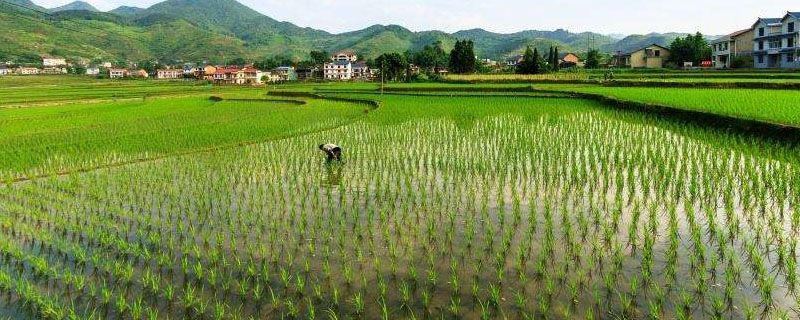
333,151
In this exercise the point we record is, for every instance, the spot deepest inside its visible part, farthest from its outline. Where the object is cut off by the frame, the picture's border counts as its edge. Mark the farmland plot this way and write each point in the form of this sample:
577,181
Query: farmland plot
444,207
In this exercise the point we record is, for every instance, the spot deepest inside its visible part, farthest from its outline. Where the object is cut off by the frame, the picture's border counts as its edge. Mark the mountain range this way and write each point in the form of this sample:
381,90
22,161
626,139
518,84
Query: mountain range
220,30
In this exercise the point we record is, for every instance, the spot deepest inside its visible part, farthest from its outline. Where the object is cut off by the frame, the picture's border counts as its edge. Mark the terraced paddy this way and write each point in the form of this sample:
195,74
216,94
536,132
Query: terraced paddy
446,206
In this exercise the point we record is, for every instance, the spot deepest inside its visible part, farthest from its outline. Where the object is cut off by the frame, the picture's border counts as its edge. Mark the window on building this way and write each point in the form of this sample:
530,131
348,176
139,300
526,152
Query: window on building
774,44
760,32
790,57
658,53
790,43
761,45
791,27
760,59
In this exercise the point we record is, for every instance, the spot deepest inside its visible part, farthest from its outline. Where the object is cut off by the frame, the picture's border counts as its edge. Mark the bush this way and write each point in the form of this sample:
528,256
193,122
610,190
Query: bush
742,61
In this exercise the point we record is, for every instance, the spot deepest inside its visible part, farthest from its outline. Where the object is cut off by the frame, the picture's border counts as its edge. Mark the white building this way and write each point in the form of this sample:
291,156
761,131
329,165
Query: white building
25,71
338,70
117,73
92,71
53,62
169,74
345,55
4,70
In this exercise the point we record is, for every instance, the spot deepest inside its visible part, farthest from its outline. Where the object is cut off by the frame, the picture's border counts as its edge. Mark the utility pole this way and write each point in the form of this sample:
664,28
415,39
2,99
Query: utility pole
383,72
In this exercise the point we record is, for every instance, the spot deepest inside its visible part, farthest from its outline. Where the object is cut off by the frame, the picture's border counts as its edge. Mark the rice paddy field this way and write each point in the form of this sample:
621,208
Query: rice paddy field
481,206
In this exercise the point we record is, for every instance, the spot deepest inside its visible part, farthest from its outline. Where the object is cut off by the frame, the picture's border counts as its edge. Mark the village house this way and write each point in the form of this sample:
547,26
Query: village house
775,42
361,71
250,75
169,74
304,74
514,61
189,70
4,71
54,70
650,57
339,70
569,59
737,44
53,62
115,73
345,55
26,71
224,75
141,73
92,71
207,72
285,73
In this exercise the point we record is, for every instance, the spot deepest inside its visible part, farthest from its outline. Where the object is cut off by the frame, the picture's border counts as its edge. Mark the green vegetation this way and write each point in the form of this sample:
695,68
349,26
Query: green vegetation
194,30
444,207
773,106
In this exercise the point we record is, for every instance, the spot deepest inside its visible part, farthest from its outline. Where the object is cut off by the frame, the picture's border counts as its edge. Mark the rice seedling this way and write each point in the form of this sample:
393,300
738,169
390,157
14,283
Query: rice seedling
599,211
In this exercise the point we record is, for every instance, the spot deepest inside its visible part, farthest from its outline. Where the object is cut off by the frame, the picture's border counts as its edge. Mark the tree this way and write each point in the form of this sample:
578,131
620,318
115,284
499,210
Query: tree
430,57
319,58
525,66
537,62
392,65
593,59
462,57
149,66
551,59
556,65
239,61
692,48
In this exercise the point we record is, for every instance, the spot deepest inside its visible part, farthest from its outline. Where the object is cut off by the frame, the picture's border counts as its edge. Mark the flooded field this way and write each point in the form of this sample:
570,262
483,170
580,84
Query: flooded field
443,208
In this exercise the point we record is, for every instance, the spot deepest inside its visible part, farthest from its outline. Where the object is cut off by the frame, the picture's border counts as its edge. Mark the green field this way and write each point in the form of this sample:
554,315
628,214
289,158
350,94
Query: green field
774,106
452,202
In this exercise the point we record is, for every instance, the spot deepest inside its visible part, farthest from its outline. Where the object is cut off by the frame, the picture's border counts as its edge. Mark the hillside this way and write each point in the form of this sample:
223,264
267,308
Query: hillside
77,5
126,11
220,30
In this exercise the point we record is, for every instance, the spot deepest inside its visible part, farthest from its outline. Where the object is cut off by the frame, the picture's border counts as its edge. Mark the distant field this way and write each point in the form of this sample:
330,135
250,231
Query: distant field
50,139
712,76
774,106
16,91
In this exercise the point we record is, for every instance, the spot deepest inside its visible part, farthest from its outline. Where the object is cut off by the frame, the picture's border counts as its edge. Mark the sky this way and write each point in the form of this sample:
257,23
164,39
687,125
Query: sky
712,17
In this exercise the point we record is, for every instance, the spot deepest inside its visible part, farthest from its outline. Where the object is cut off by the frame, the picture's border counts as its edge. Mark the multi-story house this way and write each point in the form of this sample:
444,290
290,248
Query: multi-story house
651,57
26,71
117,73
725,49
345,55
361,71
285,73
775,41
53,62
4,70
338,70
169,74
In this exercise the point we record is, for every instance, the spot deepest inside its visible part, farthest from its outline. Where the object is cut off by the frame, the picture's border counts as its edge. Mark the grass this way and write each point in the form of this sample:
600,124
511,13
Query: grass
444,207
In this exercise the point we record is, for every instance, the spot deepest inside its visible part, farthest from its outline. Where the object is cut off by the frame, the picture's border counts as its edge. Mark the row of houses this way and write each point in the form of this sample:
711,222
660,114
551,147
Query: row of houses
771,42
